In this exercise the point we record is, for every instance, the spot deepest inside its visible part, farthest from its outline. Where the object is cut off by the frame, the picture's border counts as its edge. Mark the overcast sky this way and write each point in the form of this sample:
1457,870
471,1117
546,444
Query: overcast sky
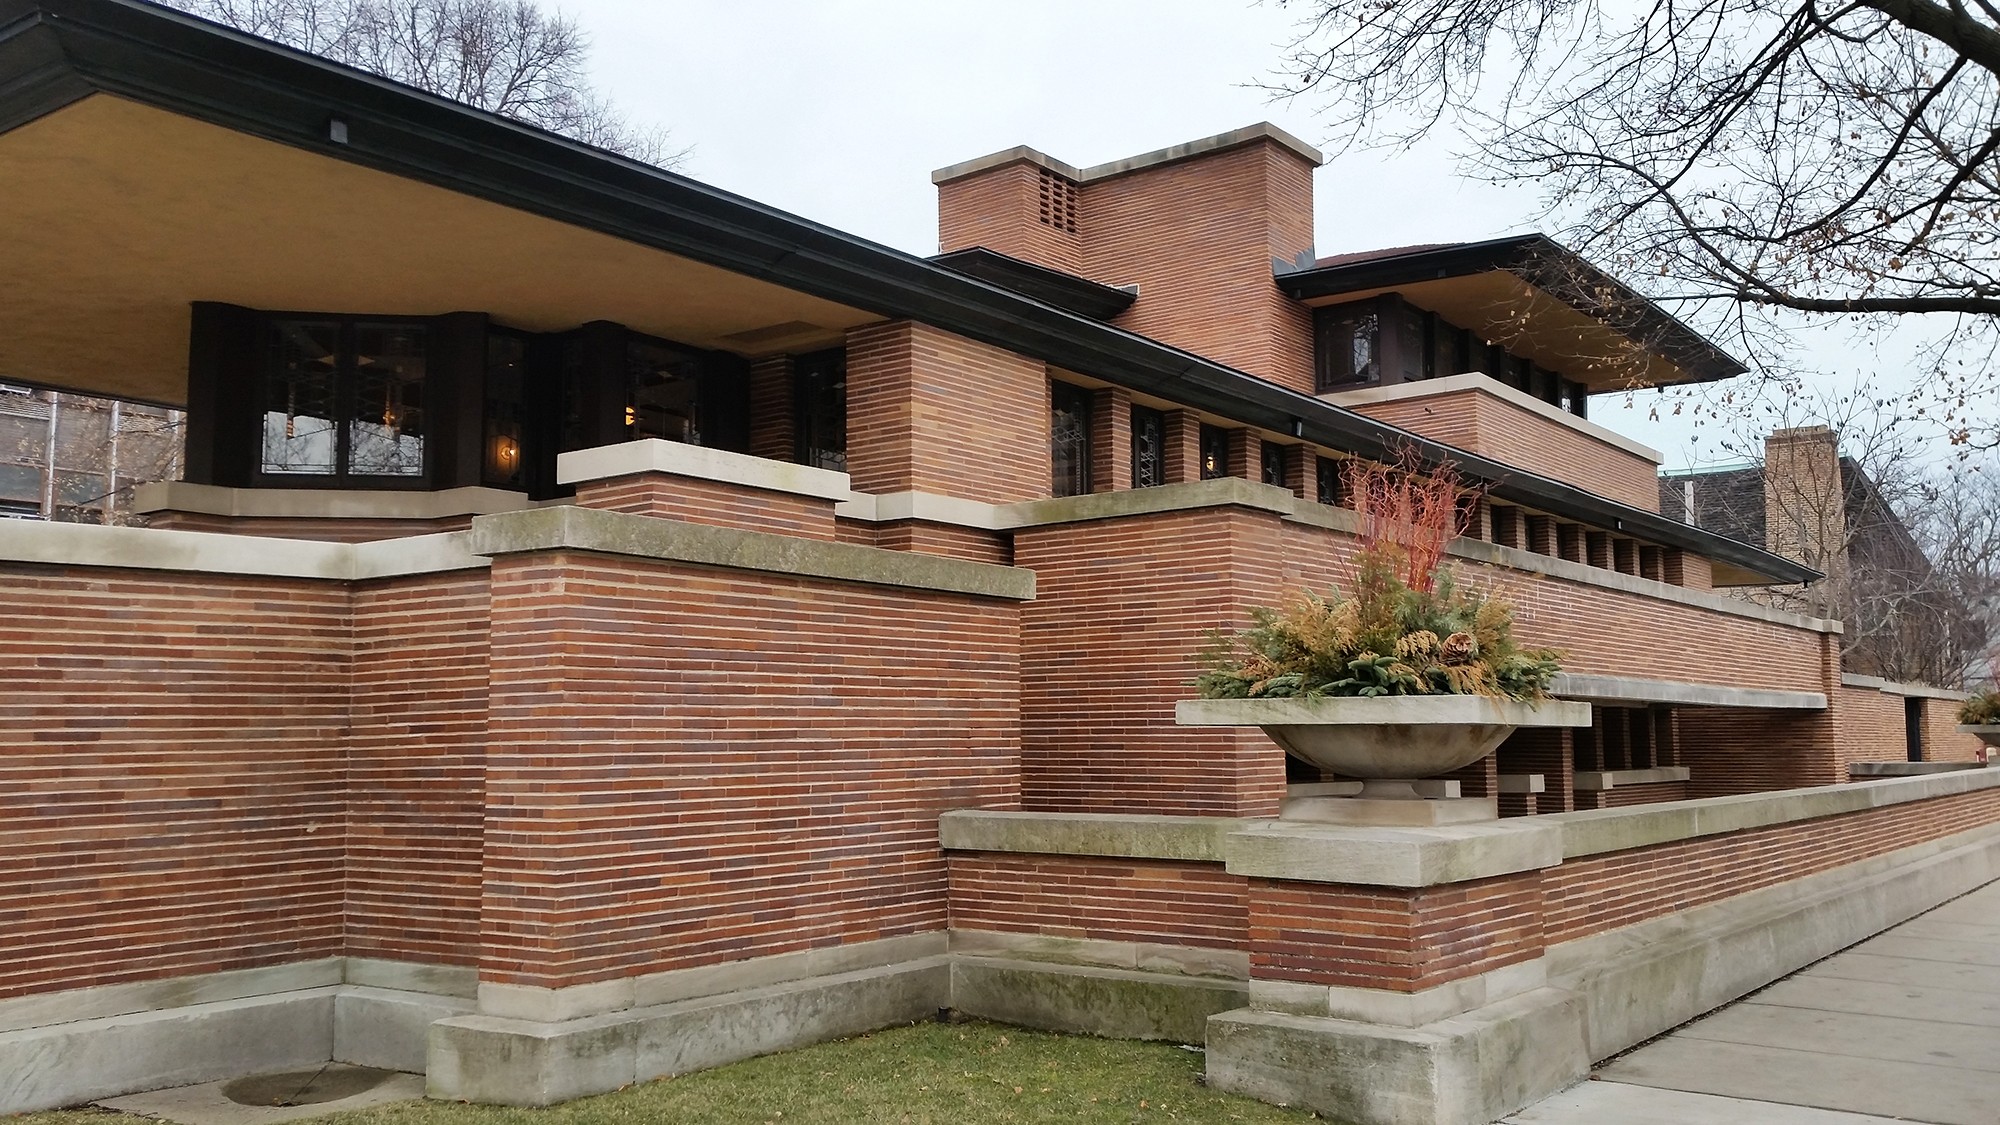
838,110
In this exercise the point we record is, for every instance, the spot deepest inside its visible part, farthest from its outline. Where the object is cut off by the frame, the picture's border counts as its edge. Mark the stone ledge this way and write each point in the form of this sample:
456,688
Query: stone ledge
1910,769
1631,689
1219,492
324,503
501,1061
1600,780
1483,384
1392,857
1890,687
1134,956
678,458
553,1005
650,537
1596,831
1127,835
1119,1003
207,552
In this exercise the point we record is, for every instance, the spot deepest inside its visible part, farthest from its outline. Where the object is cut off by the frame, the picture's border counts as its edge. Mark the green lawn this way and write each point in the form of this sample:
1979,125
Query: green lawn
931,1074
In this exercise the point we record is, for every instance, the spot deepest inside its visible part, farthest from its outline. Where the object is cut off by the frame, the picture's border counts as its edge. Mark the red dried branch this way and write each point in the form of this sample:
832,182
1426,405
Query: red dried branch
1409,509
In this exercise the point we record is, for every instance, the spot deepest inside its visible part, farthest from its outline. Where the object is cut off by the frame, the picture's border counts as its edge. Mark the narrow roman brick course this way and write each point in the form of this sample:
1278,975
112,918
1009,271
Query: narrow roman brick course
172,774
1162,901
1390,938
711,502
688,766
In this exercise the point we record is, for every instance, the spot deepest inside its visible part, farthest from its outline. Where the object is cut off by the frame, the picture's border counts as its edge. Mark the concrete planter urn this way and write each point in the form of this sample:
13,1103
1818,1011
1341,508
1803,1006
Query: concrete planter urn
1989,733
1388,742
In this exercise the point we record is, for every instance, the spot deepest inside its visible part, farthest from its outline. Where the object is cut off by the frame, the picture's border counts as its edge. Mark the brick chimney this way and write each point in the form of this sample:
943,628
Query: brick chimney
1199,228
1805,511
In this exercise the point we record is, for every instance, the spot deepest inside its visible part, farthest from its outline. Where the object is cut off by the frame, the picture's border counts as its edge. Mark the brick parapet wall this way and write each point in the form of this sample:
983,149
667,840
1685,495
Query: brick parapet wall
1391,938
670,787
172,774
1592,894
721,503
1144,900
931,412
1482,422
1002,209
416,768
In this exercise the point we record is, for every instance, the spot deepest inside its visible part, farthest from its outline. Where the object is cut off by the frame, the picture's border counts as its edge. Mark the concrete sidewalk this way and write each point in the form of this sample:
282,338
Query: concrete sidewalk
1903,1027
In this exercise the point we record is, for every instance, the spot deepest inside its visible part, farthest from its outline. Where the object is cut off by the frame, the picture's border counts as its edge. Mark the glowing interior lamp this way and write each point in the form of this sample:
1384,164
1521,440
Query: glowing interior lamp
504,454
631,416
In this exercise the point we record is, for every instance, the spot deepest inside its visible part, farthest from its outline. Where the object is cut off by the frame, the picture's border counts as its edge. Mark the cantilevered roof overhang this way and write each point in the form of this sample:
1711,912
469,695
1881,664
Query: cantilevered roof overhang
97,97
1536,296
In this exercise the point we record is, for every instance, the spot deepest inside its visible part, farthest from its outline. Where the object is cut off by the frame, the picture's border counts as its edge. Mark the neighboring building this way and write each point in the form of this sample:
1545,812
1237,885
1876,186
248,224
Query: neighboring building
607,627
1809,503
76,459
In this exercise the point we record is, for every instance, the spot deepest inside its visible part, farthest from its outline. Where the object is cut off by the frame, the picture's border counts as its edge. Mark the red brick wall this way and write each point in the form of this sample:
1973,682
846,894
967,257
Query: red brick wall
416,768
171,774
1625,796
1739,750
711,502
1942,742
1163,901
932,412
1604,892
1121,608
1391,938
1198,237
669,785
1483,423
771,407
1000,209
952,542
305,527
1870,725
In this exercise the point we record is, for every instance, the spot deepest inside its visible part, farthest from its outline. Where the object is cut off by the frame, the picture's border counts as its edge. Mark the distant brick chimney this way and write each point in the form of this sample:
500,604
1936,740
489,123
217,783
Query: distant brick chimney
1805,512
1199,228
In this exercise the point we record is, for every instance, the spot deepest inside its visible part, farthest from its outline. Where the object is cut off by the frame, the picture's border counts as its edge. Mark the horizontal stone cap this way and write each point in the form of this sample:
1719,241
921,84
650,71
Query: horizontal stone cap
206,552
1235,138
664,540
1381,710
1599,780
1391,857
678,458
323,503
1125,835
1596,831
1216,493
1632,689
1890,687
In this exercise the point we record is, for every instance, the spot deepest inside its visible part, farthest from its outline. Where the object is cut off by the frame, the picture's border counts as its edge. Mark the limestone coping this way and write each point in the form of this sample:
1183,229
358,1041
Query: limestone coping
1128,835
1910,769
678,458
323,503
650,537
1596,831
1891,687
1596,781
1493,388
1392,857
1518,783
1630,689
1263,130
204,552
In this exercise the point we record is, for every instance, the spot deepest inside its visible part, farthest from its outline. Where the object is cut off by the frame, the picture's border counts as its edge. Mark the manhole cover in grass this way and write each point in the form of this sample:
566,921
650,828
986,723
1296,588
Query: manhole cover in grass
306,1087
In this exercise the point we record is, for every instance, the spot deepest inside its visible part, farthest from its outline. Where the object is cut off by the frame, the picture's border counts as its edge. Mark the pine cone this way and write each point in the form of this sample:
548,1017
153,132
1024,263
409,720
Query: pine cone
1459,648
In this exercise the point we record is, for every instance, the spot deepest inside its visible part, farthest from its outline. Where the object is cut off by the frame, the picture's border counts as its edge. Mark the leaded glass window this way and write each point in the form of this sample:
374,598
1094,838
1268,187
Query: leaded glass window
385,420
819,409
1214,452
1273,463
344,398
1069,440
1326,475
301,387
1149,447
661,385
505,408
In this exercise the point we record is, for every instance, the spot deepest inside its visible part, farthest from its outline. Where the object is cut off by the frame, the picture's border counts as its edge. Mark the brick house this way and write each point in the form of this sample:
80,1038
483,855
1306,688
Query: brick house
608,627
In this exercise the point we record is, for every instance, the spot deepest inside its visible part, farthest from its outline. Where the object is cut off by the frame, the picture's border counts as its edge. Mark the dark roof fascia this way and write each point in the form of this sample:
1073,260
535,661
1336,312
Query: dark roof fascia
1052,287
1526,256
63,50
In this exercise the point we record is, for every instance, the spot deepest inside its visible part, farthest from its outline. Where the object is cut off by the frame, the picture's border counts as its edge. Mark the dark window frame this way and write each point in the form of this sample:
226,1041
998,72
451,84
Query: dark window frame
819,409
1149,447
1071,410
1213,452
344,380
